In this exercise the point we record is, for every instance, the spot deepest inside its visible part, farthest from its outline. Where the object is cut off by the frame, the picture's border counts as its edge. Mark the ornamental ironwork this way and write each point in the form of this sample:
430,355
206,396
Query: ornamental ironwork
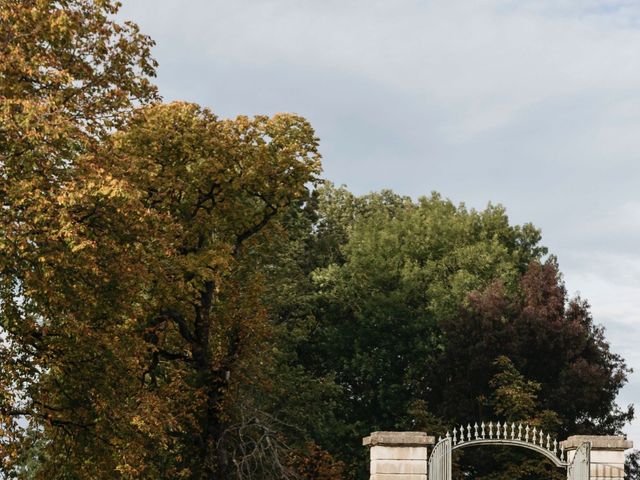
580,466
439,466
519,435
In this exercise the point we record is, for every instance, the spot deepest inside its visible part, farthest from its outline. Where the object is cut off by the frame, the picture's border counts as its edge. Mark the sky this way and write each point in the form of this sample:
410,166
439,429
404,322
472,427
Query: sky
531,104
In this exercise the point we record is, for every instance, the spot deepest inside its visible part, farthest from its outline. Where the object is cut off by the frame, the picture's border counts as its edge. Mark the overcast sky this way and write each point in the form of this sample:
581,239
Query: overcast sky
531,104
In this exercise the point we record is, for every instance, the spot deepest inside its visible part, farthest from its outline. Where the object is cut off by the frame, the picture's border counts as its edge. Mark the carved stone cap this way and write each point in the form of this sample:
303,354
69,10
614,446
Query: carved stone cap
404,439
598,442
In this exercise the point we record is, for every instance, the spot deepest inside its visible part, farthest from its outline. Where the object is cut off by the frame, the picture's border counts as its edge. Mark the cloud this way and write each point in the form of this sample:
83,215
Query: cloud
449,91
482,62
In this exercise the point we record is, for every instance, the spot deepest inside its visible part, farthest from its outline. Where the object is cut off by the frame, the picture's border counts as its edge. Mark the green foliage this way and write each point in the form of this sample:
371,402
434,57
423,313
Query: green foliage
430,314
632,466
514,397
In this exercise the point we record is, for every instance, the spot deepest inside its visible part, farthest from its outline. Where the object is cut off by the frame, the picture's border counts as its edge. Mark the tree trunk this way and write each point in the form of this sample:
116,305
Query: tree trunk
208,467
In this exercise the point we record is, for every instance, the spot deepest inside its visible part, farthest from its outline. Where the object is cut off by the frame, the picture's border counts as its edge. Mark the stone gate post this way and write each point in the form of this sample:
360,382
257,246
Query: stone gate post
607,454
398,455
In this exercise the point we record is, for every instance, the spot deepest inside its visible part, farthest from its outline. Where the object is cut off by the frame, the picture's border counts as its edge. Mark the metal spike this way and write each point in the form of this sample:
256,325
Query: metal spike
548,442
505,433
555,446
455,436
461,434
513,430
447,435
490,430
519,431
439,439
475,430
534,435
482,429
562,452
526,438
541,438
498,429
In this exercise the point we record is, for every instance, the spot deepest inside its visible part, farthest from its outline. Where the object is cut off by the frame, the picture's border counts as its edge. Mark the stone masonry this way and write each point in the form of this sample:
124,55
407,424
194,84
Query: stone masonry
403,455
607,454
398,455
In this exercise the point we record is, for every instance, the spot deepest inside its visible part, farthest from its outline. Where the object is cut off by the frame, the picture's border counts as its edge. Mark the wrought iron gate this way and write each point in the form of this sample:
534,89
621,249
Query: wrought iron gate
580,466
439,464
440,461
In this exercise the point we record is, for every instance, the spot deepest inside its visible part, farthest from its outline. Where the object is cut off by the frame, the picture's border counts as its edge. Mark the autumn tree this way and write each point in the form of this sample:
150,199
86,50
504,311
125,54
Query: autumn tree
158,225
131,315
69,75
217,188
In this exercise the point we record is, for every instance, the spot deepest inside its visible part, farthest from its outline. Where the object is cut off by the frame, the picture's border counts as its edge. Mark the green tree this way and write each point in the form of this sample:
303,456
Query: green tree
632,466
417,300
514,397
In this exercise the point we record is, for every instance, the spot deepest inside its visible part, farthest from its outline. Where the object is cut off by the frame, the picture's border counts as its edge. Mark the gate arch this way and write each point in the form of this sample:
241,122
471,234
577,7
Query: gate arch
523,436
520,435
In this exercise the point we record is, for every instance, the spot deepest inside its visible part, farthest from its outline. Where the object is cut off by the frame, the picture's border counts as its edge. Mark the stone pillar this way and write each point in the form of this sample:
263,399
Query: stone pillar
607,454
398,455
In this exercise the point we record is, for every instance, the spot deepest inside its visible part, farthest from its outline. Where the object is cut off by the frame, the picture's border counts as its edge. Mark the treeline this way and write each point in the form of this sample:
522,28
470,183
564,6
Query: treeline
183,296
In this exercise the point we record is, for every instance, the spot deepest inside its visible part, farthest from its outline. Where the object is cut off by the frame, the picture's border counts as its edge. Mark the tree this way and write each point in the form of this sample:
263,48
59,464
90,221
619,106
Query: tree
178,300
632,466
433,315
130,314
217,186
550,339
514,397
156,230
555,368
68,76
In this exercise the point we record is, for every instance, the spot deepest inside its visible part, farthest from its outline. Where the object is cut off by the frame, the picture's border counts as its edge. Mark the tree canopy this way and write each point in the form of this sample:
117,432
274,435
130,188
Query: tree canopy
431,315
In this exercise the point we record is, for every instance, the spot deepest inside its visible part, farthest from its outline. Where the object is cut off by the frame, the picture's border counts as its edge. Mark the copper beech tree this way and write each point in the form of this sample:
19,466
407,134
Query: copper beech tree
128,314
